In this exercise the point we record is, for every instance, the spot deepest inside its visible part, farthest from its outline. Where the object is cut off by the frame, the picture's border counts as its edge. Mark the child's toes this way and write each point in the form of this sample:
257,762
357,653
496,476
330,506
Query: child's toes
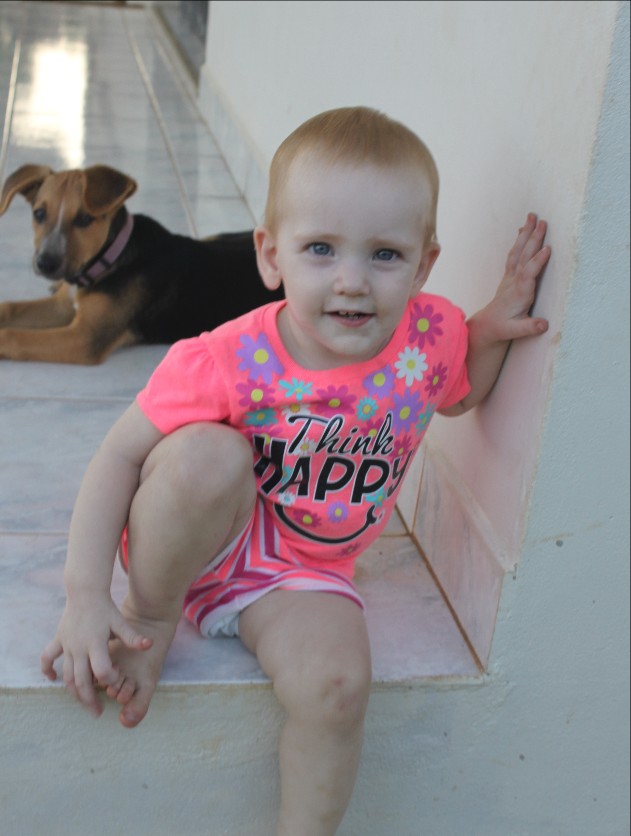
136,708
113,690
126,691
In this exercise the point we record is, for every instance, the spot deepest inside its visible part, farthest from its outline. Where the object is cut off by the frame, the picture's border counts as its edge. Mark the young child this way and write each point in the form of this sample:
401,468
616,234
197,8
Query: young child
263,457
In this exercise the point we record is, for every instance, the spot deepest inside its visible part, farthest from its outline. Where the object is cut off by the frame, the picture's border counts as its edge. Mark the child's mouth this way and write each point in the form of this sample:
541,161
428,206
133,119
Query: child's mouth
351,317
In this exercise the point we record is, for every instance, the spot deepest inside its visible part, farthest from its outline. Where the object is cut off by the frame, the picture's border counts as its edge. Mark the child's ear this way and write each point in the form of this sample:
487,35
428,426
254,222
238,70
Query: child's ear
428,259
266,258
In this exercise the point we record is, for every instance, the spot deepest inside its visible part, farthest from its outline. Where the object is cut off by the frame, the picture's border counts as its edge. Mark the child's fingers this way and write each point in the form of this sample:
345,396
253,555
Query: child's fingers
534,242
82,687
528,327
101,665
529,241
523,235
52,651
523,278
68,675
535,264
130,637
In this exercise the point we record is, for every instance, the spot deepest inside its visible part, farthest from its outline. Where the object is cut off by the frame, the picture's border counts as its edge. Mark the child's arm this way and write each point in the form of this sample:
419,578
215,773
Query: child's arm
506,317
90,617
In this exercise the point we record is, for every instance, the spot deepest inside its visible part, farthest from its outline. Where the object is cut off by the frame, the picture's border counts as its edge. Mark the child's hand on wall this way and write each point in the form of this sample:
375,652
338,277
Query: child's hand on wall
507,317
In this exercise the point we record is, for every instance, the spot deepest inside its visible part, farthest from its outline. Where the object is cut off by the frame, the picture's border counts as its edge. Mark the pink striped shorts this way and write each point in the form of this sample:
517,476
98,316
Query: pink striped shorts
243,572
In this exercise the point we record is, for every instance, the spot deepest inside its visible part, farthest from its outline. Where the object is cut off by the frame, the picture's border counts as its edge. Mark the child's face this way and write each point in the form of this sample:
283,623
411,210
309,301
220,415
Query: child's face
349,252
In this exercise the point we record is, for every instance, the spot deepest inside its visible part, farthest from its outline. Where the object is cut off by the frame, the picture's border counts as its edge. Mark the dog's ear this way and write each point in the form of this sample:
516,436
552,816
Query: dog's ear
105,189
25,181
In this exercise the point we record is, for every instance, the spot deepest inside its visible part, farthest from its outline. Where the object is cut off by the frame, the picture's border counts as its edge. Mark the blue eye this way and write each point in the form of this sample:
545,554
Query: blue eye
320,248
386,255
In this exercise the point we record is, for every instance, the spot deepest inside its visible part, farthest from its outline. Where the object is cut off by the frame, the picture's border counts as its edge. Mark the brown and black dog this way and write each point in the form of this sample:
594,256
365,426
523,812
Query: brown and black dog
119,279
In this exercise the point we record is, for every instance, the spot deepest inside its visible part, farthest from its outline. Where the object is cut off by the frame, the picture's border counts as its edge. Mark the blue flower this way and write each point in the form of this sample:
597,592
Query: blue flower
297,388
425,417
260,418
366,408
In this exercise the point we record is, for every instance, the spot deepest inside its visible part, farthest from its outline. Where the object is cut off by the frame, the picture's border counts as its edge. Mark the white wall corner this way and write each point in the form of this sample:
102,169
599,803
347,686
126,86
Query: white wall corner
407,501
462,549
249,175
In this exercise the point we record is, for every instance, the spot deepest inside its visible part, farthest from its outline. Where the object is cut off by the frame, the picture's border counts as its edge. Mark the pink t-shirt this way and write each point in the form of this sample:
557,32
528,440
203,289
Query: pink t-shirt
330,447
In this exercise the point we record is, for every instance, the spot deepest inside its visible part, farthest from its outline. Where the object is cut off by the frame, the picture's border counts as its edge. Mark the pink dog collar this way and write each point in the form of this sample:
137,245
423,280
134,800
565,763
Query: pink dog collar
87,278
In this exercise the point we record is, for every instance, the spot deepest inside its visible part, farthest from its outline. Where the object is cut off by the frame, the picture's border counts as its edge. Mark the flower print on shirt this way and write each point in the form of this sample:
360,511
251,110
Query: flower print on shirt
366,408
379,384
307,519
258,358
371,427
295,409
411,365
378,498
338,512
424,324
286,498
401,447
436,379
406,410
260,418
425,417
297,388
335,400
306,447
347,551
255,394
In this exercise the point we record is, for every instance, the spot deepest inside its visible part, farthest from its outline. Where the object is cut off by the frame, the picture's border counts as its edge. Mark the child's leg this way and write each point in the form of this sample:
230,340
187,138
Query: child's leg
314,646
196,494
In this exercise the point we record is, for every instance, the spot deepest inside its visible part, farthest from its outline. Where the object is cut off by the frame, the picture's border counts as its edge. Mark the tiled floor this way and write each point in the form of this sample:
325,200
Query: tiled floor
87,83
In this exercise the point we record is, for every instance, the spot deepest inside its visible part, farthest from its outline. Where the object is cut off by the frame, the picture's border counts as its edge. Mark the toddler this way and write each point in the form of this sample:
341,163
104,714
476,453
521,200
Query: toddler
263,457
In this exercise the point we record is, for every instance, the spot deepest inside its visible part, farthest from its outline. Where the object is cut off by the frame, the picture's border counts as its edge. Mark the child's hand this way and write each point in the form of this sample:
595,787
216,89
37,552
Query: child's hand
507,317
82,637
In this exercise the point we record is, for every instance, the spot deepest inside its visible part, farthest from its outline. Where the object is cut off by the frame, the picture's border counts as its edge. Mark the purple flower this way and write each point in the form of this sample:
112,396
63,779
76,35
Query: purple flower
338,512
406,410
379,384
258,358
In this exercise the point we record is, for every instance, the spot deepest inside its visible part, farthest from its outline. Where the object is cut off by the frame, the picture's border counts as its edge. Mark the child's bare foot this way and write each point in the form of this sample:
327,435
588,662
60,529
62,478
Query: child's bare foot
139,669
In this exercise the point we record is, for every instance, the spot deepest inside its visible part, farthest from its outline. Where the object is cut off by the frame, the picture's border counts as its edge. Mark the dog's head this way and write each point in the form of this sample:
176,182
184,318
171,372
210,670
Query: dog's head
72,213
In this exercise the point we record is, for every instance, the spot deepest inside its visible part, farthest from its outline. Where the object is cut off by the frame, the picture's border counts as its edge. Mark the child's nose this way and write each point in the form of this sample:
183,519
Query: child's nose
350,278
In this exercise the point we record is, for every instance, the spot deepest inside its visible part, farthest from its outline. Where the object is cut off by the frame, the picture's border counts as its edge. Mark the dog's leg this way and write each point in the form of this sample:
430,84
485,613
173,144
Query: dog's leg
94,333
52,311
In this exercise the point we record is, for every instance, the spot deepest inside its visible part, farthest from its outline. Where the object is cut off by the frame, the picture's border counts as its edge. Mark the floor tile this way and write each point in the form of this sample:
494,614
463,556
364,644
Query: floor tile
47,445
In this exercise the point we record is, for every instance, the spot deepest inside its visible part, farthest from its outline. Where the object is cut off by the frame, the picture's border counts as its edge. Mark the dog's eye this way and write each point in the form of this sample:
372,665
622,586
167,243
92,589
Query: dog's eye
39,215
83,219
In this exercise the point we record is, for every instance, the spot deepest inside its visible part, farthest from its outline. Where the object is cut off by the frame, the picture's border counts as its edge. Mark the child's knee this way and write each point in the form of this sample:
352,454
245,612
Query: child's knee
344,695
203,463
333,693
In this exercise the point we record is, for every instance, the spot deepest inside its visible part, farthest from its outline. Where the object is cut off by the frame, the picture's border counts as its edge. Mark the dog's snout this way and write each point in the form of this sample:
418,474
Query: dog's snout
47,263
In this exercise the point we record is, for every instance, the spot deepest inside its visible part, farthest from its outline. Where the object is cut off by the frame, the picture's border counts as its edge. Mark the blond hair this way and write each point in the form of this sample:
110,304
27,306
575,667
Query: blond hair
355,136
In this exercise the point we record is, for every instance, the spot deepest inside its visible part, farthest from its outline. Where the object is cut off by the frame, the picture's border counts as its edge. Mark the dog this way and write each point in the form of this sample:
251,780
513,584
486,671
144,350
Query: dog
118,279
